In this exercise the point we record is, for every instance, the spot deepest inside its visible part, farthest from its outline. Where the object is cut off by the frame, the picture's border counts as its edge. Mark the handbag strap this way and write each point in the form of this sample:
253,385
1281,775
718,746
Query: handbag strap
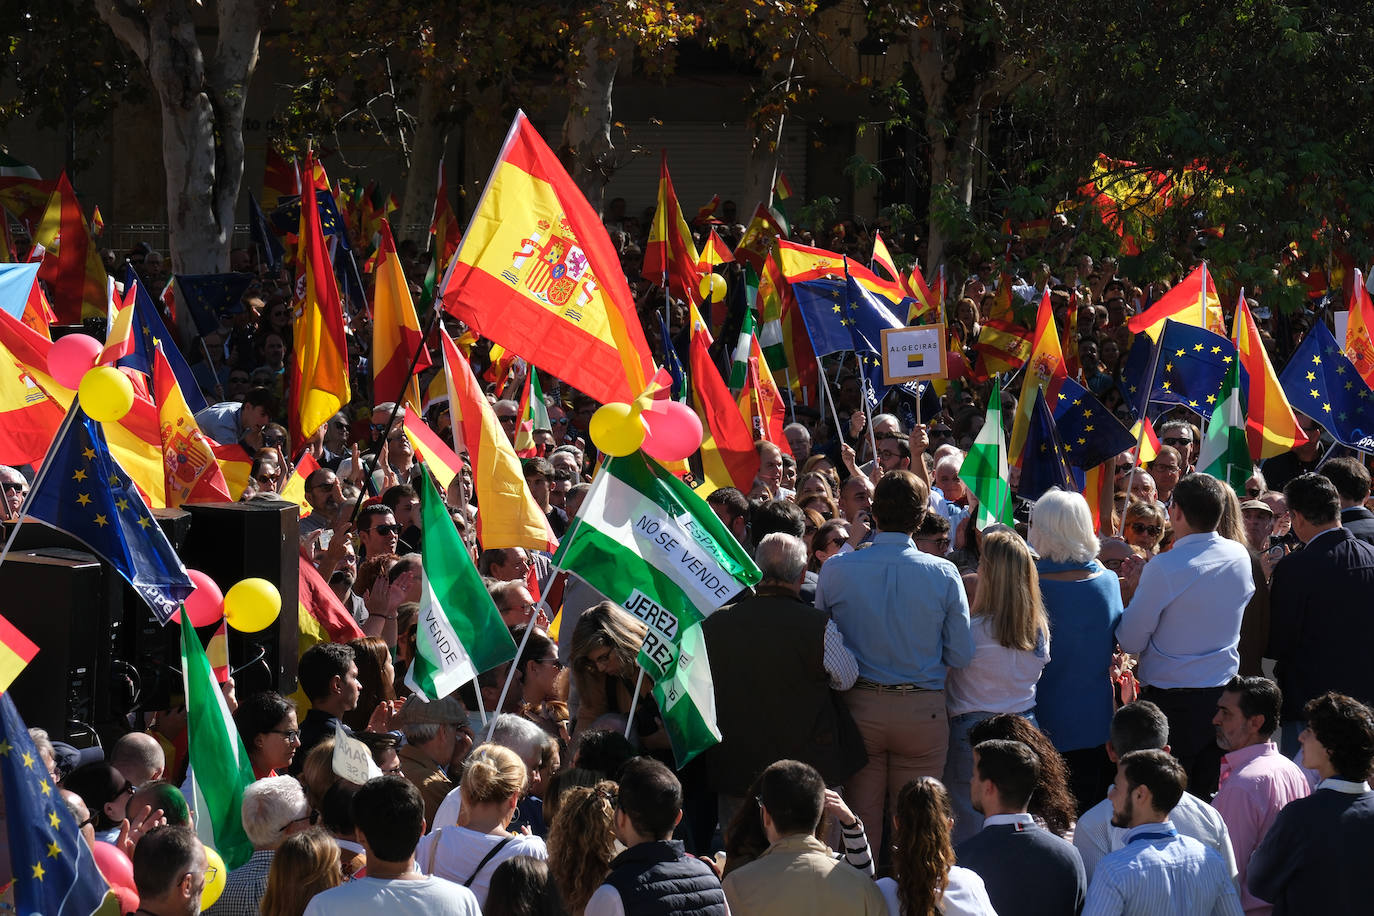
485,859
433,851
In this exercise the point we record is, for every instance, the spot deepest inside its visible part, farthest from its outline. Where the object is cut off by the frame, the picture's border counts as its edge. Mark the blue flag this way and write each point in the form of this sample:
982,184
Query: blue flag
1043,463
678,391
1089,432
822,305
867,315
85,493
206,297
1135,383
264,237
1322,383
54,871
1191,366
149,332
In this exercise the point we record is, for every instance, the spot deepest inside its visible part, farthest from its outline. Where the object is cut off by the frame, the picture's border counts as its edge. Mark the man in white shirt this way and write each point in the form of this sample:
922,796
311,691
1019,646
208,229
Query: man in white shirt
390,816
1137,727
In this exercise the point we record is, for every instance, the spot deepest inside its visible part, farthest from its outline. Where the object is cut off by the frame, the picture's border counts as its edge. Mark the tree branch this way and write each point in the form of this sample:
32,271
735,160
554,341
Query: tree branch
129,23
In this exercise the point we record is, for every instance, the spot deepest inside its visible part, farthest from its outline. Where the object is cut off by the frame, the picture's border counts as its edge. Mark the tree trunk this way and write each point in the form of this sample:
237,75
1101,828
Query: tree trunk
587,150
201,102
422,178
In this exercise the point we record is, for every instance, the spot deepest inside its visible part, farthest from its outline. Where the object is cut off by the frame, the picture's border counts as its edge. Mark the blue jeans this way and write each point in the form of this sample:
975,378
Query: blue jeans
959,772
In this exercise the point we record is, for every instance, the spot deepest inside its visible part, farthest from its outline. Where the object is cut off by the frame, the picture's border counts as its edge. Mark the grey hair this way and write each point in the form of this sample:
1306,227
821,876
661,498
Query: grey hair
421,732
797,427
781,557
269,806
520,735
1061,528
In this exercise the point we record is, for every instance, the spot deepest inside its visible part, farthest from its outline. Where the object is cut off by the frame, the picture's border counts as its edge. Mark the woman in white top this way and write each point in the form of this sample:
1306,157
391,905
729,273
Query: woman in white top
1011,637
925,881
493,780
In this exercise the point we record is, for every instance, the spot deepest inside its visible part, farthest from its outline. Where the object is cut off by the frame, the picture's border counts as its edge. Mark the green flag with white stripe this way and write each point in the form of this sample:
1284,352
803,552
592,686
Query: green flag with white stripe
984,470
645,540
739,369
1224,452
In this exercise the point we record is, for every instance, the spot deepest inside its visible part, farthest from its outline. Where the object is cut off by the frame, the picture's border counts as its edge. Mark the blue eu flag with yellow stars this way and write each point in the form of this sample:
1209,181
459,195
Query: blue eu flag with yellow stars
1191,365
148,331
867,315
208,296
1043,463
84,492
54,871
1089,432
822,303
1323,384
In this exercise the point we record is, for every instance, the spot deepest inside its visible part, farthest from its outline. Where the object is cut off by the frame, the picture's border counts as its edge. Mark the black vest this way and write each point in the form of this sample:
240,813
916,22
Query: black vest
659,879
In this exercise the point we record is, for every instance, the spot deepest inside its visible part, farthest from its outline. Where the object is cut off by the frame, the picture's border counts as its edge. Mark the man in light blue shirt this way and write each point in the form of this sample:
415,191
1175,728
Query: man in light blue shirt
1183,621
905,616
1157,872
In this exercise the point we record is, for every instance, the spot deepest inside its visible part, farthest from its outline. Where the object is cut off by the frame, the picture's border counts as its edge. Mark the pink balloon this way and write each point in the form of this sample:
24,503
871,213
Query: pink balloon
673,431
205,604
127,897
71,357
113,864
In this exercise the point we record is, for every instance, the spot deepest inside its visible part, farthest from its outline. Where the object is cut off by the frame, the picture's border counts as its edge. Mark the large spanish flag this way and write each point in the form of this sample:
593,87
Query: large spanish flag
537,274
671,255
800,263
1193,301
728,458
509,516
1271,428
319,364
1044,372
192,474
396,334
1359,331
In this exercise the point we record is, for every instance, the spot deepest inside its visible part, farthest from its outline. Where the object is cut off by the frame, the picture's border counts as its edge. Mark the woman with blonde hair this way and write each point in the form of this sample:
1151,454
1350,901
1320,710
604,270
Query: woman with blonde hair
605,670
925,880
304,865
1144,525
582,843
469,851
1011,638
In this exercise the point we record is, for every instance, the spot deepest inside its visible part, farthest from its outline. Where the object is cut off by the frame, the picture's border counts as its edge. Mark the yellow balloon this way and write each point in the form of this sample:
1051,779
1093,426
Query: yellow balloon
713,287
616,429
106,394
251,605
214,885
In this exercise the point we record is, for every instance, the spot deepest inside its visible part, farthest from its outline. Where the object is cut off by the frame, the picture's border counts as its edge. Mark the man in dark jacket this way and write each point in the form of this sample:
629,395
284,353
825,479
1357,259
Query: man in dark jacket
1320,628
654,875
774,661
1351,480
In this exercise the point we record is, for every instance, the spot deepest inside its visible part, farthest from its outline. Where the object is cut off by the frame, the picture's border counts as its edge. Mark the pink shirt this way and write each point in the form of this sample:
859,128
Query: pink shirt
1256,782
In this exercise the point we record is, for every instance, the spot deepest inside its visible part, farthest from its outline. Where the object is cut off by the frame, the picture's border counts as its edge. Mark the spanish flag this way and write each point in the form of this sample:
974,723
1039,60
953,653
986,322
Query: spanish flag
671,254
1044,372
1193,301
16,651
396,334
319,368
728,458
71,267
714,252
1359,331
537,274
279,179
509,517
435,453
800,263
192,474
1271,428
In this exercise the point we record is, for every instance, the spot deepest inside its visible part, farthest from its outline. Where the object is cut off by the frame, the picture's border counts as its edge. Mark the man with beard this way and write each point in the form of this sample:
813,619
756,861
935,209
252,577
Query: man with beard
1157,871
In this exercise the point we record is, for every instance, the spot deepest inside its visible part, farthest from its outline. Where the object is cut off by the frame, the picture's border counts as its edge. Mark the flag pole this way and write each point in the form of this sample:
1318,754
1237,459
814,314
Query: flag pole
634,702
1144,413
791,398
829,397
42,473
510,675
481,709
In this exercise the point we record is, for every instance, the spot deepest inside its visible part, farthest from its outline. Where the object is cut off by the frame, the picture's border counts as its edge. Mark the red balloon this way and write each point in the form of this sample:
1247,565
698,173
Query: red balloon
72,357
113,864
127,897
205,604
673,431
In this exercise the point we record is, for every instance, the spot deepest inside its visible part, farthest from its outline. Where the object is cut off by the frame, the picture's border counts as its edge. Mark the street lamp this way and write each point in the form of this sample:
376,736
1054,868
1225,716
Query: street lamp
872,51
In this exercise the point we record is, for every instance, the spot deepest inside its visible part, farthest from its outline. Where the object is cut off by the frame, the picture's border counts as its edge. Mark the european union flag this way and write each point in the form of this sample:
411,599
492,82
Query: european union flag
867,315
1043,463
822,305
149,331
208,296
84,492
1323,384
1089,432
1135,382
54,871
263,235
678,391
286,216
1191,366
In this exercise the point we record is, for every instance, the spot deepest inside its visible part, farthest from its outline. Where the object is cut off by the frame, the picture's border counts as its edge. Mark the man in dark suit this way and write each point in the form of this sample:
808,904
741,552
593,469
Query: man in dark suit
1320,628
1026,869
1351,480
774,661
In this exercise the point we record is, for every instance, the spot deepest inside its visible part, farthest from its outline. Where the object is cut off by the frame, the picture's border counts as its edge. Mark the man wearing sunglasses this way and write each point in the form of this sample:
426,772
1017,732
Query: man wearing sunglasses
16,488
273,809
378,532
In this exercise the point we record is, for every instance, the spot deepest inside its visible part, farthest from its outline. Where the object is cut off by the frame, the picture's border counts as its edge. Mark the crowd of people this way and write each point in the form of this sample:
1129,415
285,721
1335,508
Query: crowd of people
917,716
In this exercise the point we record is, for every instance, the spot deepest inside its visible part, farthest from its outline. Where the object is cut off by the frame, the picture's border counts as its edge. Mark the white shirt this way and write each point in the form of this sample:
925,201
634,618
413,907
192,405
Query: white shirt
1094,836
965,895
459,851
998,679
370,896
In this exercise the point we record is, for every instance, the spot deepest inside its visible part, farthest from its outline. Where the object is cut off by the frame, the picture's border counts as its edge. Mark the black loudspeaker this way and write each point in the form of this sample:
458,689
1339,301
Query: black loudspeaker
72,606
233,541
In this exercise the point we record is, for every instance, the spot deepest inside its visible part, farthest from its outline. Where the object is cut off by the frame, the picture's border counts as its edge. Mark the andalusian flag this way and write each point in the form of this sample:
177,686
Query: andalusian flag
984,470
460,633
396,333
643,539
534,414
1224,453
538,274
220,769
739,367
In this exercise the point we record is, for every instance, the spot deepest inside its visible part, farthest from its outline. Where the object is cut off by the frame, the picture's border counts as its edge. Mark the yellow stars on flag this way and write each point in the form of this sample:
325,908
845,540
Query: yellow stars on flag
38,871
1216,349
1197,348
1211,399
1227,359
1314,393
44,787
1326,408
101,520
1316,360
88,453
5,747
54,819
79,475
1180,352
28,760
84,499
145,522
1311,376
121,504
54,850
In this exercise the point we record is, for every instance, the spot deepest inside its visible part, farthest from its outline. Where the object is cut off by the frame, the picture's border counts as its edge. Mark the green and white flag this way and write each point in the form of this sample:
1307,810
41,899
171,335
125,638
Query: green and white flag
984,470
220,769
459,633
11,167
646,541
739,369
1224,452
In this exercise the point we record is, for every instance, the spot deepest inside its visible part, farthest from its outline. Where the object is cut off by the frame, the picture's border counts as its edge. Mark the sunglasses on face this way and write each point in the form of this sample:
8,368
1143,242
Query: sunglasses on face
13,487
1176,442
1141,528
387,530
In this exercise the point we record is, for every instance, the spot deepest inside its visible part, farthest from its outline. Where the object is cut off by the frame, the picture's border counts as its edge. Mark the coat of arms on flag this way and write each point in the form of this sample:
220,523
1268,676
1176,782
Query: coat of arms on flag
554,270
